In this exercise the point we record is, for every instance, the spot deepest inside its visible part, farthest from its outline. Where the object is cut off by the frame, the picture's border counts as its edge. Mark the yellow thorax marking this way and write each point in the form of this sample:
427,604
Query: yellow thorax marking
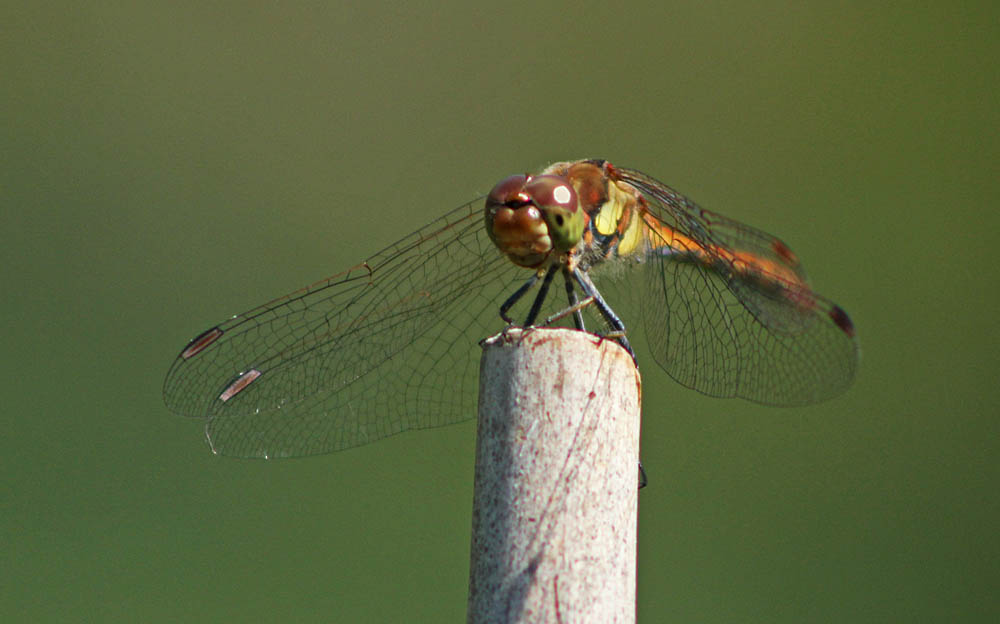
619,214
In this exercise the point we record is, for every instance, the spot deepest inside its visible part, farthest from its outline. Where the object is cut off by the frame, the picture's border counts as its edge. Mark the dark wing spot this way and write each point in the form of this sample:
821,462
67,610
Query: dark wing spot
200,342
841,320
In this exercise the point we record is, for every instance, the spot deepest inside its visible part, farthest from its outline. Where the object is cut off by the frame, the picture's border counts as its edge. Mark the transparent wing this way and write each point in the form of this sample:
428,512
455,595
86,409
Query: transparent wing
384,347
728,311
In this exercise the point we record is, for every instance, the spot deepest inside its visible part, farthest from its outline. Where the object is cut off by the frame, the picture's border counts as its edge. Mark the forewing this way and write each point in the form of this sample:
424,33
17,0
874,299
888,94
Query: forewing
384,347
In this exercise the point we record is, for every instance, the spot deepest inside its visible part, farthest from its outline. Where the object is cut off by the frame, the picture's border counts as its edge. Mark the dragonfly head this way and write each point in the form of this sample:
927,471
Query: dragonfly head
531,217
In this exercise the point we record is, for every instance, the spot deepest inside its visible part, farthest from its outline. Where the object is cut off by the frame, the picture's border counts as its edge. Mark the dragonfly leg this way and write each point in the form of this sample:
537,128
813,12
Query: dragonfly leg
643,481
536,306
574,309
514,298
617,327
571,295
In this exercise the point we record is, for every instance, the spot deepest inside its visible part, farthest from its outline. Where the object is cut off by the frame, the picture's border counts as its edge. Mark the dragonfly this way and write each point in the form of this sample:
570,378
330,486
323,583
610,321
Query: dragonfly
389,344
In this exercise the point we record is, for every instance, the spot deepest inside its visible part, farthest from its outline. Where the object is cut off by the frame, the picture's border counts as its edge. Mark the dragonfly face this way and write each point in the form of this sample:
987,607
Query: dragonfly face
534,219
389,344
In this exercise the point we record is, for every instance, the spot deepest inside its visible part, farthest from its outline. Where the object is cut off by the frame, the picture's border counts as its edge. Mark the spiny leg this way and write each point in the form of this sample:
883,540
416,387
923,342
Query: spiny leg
514,298
609,315
536,306
571,295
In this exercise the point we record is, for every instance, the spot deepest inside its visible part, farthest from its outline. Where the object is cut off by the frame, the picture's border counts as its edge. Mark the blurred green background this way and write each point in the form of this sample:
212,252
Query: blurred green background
165,165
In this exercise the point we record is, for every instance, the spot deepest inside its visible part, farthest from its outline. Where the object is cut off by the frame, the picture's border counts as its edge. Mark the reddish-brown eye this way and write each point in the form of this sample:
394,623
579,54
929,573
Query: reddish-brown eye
507,190
551,191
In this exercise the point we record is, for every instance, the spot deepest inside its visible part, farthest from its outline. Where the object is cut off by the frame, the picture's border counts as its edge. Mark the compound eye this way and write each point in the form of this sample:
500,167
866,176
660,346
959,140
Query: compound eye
551,191
508,190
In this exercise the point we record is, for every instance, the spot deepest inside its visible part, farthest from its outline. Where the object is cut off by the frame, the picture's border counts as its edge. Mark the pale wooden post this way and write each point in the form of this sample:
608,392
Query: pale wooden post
556,486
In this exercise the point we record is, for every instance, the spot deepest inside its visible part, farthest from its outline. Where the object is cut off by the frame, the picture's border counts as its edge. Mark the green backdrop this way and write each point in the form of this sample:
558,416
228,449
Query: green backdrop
166,164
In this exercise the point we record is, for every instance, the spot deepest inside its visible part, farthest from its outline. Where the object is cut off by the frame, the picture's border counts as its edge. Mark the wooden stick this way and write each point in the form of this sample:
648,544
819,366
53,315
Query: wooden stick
556,487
